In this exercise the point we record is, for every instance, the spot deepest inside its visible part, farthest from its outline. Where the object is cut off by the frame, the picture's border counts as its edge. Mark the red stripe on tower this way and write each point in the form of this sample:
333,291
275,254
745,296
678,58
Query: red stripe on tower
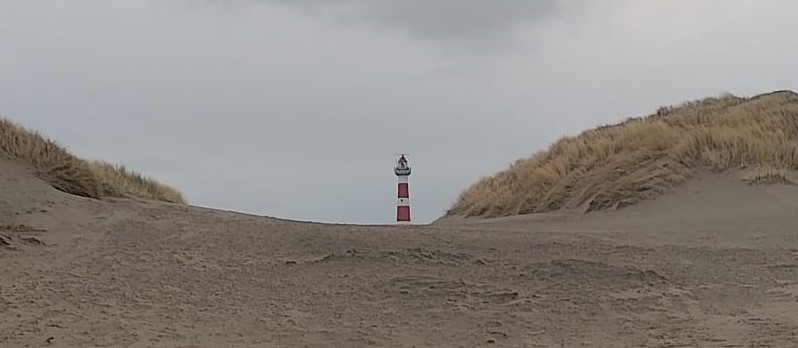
403,191
402,171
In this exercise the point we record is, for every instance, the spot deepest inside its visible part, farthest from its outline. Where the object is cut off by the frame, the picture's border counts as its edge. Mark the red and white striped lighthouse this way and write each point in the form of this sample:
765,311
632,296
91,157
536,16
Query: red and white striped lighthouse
402,171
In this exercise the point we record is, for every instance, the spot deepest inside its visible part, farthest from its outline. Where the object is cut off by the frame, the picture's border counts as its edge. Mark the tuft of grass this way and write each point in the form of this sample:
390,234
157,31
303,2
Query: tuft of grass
616,165
120,181
767,175
50,160
68,173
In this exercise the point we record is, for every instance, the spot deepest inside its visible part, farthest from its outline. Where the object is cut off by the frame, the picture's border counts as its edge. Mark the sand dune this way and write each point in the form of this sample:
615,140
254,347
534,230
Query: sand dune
618,165
712,264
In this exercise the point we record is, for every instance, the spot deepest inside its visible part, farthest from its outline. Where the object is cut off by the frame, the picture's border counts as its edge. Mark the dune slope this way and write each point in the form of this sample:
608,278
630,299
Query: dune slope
619,165
712,264
74,175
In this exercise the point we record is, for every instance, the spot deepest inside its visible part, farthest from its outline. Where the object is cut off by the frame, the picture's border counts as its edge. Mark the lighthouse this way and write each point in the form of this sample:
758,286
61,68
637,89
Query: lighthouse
402,171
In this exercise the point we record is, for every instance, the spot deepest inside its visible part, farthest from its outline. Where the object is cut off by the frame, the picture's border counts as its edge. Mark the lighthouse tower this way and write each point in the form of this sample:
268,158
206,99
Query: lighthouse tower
402,171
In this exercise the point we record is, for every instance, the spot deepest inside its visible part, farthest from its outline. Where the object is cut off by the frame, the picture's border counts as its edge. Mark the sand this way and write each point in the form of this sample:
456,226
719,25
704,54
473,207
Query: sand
712,264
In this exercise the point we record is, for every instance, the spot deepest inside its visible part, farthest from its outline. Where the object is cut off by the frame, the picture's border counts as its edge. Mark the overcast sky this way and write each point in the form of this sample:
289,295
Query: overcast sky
296,108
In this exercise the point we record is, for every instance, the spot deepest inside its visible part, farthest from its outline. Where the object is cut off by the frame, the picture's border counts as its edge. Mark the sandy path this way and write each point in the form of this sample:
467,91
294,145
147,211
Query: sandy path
128,274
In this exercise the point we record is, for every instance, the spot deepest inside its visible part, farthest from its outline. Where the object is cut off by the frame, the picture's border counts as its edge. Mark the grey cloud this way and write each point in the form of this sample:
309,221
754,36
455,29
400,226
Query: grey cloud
460,20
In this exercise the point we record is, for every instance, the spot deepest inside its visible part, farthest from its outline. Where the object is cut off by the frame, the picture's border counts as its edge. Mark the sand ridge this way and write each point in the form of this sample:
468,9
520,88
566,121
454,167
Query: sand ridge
122,273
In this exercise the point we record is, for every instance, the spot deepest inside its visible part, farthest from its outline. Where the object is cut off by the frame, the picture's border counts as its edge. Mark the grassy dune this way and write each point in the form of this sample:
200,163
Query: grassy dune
74,175
617,165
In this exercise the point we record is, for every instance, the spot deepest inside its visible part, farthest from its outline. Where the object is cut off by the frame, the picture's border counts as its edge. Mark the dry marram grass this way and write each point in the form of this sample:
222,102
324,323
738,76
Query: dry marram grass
765,175
612,166
122,181
74,175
